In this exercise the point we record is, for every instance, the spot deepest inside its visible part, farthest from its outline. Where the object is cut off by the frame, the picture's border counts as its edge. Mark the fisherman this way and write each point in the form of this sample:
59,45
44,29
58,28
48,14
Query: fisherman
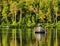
39,32
41,29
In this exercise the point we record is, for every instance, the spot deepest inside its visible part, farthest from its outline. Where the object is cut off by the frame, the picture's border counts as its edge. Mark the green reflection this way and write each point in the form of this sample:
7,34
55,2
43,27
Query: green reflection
25,37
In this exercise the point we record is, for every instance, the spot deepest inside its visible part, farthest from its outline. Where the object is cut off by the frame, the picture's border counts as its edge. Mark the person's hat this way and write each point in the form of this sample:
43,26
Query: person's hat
39,25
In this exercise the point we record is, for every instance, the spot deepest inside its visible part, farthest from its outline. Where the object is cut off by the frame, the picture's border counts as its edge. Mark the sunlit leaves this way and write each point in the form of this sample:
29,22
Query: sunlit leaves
14,7
56,9
31,8
33,22
5,9
29,2
29,23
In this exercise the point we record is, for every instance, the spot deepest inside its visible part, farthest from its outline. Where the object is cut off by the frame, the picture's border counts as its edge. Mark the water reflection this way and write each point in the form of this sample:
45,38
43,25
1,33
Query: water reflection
26,37
40,36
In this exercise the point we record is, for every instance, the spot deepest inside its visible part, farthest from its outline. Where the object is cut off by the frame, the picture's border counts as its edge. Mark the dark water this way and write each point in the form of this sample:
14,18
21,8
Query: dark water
26,37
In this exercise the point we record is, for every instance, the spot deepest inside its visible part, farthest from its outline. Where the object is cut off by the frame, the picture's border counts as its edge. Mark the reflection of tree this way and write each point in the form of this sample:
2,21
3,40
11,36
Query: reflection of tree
0,37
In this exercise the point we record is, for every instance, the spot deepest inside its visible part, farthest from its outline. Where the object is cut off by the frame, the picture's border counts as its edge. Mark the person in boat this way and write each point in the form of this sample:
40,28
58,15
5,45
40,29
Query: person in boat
41,29
39,32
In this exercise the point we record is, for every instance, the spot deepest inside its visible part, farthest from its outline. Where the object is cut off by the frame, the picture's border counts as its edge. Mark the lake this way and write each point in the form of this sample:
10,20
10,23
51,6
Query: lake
26,37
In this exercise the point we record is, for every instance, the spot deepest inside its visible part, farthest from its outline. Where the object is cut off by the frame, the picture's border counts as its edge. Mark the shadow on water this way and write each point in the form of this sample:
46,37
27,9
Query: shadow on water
26,37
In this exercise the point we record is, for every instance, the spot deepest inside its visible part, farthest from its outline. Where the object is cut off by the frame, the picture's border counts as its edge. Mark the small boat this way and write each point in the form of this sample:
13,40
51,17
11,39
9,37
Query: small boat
40,30
39,34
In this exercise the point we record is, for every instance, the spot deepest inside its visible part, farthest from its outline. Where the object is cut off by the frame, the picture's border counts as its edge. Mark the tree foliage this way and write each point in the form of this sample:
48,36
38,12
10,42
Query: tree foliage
18,11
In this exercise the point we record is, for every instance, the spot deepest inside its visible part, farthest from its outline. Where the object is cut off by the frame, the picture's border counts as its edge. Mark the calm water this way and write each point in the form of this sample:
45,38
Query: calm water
26,37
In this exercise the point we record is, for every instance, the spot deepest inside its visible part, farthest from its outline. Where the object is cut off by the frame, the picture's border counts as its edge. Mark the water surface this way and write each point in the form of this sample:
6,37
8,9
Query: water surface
26,37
